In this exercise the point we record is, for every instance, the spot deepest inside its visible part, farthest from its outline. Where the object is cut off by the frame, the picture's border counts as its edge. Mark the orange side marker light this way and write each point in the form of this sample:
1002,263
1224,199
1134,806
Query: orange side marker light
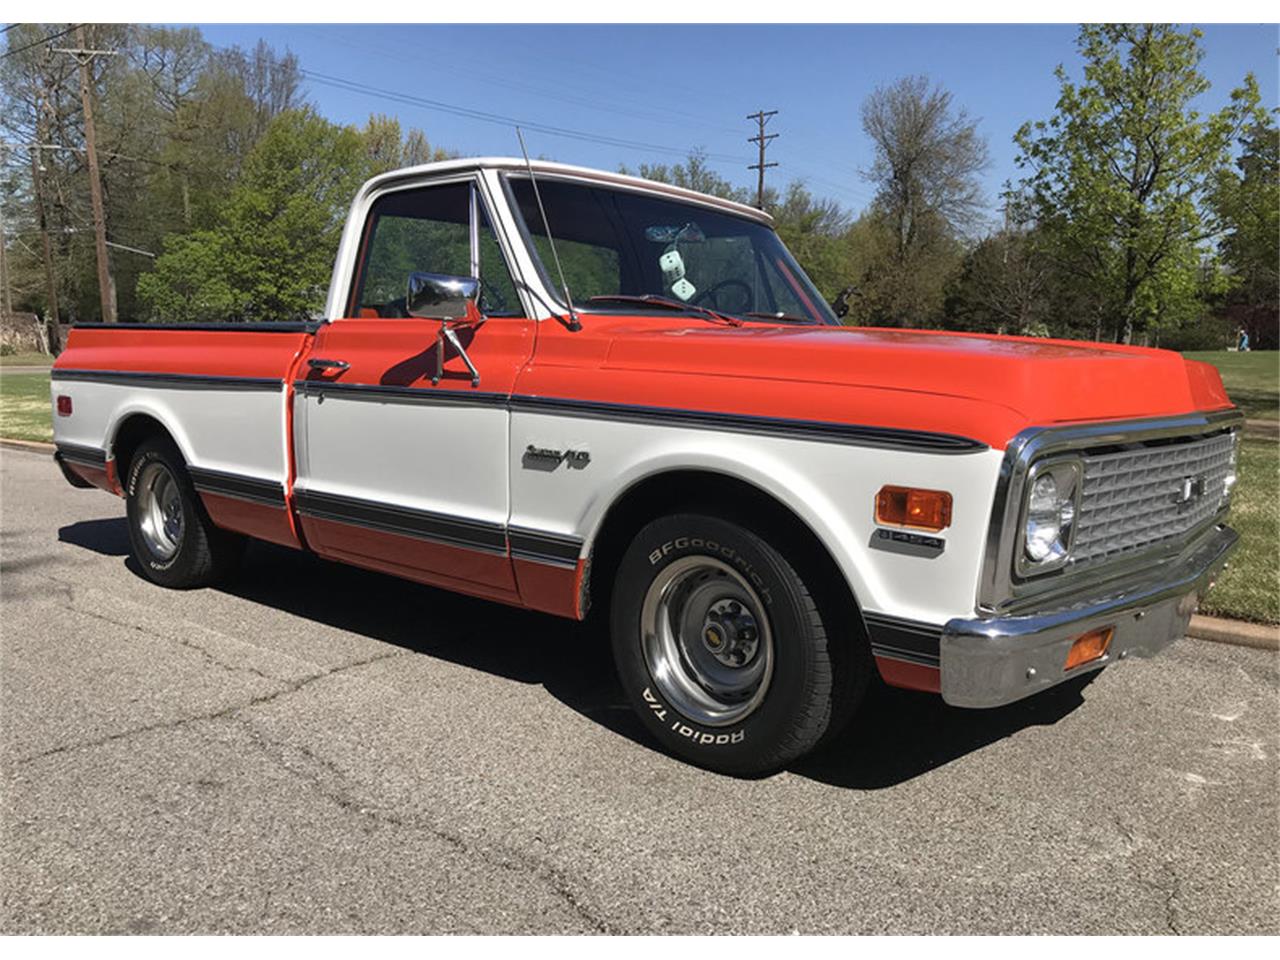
909,507
1089,647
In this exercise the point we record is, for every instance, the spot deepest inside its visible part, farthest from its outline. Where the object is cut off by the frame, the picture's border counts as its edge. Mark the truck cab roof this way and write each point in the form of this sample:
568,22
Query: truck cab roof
546,168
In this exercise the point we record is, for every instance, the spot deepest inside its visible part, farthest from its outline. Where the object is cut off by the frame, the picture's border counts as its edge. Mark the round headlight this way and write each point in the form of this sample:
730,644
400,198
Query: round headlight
1050,515
1044,493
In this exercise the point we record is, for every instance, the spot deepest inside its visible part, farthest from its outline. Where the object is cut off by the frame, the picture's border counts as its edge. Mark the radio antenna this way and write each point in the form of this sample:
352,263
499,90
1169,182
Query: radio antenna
573,323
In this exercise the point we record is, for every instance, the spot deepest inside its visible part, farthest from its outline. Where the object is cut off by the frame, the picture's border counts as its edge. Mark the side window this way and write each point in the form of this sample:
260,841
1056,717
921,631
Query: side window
428,230
499,298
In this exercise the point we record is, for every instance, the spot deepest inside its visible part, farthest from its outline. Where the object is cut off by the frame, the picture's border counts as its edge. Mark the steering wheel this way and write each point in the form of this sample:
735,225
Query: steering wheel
714,294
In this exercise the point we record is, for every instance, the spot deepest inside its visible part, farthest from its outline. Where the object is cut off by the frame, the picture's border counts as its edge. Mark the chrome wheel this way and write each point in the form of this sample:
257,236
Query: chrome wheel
160,517
706,640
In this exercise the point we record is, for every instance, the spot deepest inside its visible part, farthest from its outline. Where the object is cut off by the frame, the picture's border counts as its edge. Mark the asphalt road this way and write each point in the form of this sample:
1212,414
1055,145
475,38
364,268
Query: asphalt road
317,749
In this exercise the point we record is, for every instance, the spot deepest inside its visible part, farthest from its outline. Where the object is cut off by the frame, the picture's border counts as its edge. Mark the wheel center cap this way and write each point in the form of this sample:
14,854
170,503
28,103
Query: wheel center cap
730,634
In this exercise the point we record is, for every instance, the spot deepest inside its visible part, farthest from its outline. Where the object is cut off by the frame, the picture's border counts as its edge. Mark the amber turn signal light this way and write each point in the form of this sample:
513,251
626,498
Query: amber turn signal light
909,507
1089,647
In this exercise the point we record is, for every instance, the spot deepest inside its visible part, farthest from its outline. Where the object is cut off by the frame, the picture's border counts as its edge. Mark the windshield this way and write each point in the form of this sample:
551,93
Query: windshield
622,243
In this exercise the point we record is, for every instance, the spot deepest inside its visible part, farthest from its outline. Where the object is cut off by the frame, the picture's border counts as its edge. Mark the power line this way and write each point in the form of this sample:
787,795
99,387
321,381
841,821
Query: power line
49,39
353,86
667,115
110,243
68,149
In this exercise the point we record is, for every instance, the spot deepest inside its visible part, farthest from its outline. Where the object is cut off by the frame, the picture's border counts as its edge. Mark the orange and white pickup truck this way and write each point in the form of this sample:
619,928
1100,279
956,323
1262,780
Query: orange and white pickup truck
566,389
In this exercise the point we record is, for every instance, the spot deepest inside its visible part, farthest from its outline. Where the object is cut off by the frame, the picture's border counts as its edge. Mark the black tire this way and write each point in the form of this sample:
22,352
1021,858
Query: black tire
202,554
788,714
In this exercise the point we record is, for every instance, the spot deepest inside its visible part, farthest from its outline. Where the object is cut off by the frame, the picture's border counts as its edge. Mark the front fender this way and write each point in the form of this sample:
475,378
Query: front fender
830,486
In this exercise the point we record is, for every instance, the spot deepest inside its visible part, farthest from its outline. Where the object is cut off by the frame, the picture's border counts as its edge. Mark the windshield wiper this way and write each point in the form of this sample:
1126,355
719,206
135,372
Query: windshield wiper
653,300
778,317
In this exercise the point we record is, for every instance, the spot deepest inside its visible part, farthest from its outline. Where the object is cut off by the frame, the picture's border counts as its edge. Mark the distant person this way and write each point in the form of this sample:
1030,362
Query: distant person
1242,341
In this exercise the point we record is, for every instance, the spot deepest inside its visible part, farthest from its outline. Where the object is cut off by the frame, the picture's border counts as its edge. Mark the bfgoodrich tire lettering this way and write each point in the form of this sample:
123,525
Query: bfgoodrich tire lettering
174,541
734,672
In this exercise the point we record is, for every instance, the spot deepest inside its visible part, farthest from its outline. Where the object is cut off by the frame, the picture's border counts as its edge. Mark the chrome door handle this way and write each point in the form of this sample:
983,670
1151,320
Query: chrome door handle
318,364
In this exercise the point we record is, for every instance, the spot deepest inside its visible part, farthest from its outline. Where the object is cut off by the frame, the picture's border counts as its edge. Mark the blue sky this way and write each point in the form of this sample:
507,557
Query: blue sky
692,86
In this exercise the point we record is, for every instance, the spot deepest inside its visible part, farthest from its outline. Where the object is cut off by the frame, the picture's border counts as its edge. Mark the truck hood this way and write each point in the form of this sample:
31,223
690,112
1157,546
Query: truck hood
1033,381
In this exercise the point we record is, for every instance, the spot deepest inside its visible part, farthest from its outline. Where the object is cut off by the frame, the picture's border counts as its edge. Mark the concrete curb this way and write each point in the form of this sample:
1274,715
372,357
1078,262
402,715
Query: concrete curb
1235,632
35,446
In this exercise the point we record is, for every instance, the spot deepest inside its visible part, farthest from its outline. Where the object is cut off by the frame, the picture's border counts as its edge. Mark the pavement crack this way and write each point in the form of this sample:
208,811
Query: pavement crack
74,601
220,714
1172,888
1169,883
204,653
1131,841
328,780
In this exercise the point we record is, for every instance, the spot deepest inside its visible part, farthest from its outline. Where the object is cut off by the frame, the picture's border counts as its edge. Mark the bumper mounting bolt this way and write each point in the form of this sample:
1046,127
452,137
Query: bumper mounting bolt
1031,673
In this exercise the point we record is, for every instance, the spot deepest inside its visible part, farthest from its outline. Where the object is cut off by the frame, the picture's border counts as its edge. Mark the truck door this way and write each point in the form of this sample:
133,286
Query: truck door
395,472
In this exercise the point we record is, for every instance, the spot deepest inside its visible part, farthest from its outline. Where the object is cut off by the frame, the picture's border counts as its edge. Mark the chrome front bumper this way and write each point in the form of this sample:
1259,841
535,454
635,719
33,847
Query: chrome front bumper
986,662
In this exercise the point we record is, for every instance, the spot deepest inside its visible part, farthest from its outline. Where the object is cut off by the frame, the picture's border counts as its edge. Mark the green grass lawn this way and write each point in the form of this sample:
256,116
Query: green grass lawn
27,359
24,406
1252,379
1250,588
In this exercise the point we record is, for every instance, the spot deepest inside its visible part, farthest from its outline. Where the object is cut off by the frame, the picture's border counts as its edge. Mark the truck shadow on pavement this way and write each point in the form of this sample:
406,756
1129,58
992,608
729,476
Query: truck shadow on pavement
896,734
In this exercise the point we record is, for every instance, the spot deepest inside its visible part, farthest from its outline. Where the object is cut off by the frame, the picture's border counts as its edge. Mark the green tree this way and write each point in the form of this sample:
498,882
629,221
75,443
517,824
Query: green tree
269,253
1116,179
389,149
1003,286
175,121
269,257
928,154
814,230
1246,200
693,174
192,281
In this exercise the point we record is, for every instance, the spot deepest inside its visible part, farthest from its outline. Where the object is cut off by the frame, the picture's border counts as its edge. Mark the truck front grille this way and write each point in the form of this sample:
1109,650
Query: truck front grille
1132,499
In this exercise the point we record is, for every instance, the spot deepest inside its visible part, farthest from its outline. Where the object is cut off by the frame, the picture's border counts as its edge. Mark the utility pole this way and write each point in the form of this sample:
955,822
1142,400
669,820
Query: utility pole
84,57
761,118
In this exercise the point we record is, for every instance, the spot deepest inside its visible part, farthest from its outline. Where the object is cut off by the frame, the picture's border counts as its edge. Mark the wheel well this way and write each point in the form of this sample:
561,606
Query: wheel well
730,499
136,428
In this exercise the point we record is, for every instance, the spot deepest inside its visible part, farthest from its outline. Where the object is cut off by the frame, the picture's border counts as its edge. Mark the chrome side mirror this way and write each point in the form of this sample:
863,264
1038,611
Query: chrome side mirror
437,296
455,302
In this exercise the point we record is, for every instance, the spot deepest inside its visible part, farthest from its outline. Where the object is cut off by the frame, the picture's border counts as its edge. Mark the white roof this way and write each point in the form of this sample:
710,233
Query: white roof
563,170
